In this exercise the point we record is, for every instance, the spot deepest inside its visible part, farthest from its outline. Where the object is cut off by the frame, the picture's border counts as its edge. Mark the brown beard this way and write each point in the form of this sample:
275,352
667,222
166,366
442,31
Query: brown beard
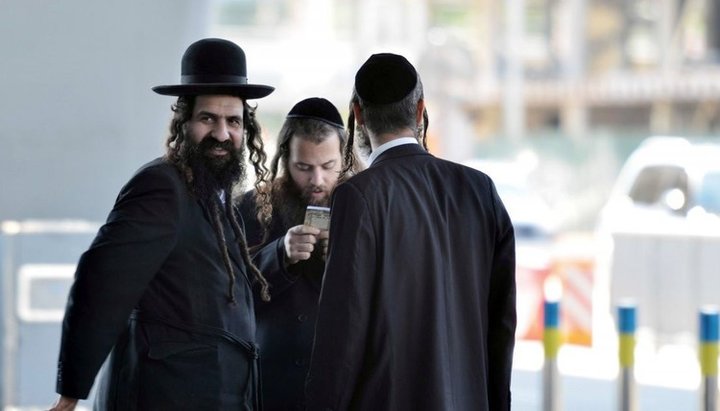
211,175
288,202
289,206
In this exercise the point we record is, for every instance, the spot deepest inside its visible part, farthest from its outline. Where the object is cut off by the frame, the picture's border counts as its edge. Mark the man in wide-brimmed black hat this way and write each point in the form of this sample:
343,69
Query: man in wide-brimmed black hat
165,287
303,173
417,309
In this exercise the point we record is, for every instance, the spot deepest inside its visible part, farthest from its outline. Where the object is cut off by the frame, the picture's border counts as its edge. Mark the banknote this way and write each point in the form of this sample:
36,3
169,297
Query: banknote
318,217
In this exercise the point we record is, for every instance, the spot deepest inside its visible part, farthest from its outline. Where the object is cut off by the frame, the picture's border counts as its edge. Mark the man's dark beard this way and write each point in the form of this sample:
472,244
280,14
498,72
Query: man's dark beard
214,174
288,202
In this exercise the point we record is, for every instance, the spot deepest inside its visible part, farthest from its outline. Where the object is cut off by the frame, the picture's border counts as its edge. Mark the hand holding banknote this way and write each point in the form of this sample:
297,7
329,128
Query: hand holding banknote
301,240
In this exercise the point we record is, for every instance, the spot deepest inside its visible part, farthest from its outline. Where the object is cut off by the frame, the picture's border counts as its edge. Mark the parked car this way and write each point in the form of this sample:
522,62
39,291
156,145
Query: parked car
659,234
665,181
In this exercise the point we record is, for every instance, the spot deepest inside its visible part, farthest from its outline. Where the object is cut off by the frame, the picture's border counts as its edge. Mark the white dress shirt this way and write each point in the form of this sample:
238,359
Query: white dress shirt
390,144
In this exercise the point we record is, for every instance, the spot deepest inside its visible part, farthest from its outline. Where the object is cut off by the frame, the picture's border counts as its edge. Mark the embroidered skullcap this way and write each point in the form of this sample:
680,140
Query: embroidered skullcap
385,78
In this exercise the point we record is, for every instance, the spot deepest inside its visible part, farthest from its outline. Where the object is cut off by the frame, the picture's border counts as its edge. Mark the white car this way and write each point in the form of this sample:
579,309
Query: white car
666,182
659,234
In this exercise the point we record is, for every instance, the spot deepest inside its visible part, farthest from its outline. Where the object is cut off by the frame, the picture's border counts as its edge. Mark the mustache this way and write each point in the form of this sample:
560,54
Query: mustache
306,195
209,143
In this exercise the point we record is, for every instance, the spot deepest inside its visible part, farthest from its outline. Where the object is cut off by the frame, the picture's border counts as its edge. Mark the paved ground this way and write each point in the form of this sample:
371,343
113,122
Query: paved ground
667,378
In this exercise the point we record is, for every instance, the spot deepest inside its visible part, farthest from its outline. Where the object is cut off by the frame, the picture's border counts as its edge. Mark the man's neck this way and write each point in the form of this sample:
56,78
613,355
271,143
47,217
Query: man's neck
389,144
380,139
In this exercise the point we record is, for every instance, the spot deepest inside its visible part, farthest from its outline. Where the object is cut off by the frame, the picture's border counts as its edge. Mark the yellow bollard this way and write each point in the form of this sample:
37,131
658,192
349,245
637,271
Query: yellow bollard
627,398
552,340
709,357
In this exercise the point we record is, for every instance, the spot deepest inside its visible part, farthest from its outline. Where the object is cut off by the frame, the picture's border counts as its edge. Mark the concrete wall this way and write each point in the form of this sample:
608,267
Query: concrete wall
77,115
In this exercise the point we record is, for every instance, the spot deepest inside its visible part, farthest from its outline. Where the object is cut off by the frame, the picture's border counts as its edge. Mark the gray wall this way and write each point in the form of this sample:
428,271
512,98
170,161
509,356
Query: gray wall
77,118
77,115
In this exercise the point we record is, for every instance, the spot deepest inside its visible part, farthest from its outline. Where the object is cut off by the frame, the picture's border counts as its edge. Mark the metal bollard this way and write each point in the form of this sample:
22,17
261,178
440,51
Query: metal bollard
626,334
552,339
709,357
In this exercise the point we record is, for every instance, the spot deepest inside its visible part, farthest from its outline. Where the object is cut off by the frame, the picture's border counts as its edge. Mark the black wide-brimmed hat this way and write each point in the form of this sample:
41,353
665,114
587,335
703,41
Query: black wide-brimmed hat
385,78
214,66
317,108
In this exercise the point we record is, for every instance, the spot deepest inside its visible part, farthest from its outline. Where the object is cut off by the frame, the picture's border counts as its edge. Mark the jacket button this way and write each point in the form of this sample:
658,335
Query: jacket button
300,362
302,318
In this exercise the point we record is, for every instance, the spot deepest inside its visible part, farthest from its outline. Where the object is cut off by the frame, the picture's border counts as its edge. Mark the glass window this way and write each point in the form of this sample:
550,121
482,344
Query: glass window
652,182
709,193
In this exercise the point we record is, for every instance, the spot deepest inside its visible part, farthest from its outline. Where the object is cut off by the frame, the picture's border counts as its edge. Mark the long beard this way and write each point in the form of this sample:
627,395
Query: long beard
211,175
288,202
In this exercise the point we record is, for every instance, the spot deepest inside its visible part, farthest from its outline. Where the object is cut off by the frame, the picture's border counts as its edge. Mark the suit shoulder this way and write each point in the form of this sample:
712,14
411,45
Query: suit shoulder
158,170
153,176
159,166
461,171
247,197
246,203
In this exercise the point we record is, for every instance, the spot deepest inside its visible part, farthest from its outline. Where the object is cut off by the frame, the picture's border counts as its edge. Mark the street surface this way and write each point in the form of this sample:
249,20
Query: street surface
667,378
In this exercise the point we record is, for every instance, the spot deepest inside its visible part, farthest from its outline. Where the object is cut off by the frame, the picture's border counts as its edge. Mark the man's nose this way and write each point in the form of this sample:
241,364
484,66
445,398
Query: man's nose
316,178
220,132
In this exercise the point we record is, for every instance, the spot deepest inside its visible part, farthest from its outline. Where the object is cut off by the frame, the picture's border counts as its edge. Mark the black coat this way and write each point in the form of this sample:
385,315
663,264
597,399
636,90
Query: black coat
153,288
285,324
417,309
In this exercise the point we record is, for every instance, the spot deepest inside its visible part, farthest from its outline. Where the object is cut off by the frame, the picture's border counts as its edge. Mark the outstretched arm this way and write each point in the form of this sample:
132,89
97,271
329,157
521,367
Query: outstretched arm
113,274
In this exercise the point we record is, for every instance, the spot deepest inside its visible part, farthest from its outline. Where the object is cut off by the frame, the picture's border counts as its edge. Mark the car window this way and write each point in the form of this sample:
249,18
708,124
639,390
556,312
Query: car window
709,193
654,181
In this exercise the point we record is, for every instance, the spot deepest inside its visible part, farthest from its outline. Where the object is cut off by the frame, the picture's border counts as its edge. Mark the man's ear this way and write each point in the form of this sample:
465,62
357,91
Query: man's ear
358,114
420,110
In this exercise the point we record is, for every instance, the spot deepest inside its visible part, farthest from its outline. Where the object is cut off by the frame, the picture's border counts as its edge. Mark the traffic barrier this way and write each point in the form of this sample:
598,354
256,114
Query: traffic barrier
627,321
709,357
570,268
577,276
552,340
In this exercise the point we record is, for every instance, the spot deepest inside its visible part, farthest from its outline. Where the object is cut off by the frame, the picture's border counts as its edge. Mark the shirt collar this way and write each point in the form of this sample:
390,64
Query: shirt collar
390,144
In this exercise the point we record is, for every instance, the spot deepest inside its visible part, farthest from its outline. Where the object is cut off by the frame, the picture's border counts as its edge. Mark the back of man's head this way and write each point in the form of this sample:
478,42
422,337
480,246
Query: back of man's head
387,89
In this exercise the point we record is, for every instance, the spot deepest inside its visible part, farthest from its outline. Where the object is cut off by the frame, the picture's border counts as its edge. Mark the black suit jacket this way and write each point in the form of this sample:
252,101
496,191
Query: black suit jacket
153,288
417,309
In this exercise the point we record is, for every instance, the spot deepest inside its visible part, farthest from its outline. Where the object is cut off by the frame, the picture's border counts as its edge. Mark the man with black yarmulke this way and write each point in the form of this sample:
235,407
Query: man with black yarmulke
304,171
417,308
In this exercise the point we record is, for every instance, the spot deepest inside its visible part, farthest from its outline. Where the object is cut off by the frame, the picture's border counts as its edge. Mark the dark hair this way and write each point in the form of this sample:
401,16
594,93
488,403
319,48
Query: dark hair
311,129
386,118
175,143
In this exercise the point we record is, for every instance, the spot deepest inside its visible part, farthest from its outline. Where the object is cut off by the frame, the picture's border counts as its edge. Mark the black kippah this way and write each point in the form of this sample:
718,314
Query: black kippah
385,78
319,109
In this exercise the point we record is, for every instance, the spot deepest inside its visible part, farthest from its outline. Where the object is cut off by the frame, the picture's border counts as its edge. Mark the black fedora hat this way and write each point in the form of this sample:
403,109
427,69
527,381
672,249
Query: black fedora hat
214,66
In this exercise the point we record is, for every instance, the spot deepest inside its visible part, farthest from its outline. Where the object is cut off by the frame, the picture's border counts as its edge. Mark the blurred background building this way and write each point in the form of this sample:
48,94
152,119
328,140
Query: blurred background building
550,97
578,83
